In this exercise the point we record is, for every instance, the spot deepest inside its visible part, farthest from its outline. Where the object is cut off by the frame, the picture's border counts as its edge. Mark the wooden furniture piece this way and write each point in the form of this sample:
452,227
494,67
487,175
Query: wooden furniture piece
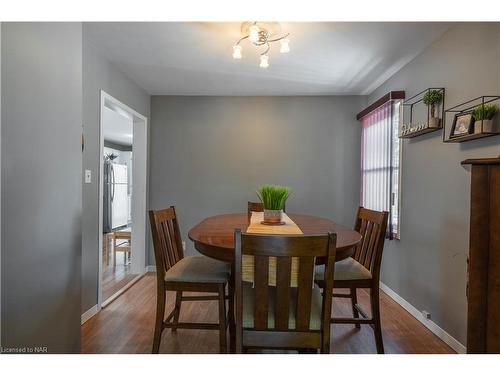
106,238
483,297
254,207
362,270
123,247
214,236
178,273
281,316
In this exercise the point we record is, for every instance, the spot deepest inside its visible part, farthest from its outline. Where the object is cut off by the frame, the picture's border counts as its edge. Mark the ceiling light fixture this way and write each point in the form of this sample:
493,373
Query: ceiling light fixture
262,35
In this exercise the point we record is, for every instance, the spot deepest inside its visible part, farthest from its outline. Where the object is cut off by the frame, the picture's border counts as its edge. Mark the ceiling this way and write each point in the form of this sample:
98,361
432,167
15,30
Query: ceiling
326,58
117,126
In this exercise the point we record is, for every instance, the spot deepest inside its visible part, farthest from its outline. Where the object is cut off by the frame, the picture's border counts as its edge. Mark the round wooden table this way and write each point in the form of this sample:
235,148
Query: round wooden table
214,236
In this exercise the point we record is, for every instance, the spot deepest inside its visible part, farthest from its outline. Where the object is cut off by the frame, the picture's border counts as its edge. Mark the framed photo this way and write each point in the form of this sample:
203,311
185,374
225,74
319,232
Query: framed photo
462,125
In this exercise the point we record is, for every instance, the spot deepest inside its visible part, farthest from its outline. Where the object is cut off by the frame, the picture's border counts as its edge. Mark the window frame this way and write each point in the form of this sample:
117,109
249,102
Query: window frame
397,234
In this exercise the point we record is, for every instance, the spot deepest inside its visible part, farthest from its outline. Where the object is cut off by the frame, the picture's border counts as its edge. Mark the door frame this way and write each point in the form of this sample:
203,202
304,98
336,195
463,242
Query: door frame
139,193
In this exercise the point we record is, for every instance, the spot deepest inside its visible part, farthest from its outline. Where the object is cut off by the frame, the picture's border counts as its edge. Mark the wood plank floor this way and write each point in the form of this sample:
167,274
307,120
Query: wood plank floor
126,326
115,278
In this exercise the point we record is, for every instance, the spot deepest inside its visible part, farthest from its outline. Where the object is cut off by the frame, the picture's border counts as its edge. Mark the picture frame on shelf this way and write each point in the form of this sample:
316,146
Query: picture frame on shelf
462,125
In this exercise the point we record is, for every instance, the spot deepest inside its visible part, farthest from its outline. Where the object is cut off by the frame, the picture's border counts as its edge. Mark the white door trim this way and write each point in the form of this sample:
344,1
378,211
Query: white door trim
139,185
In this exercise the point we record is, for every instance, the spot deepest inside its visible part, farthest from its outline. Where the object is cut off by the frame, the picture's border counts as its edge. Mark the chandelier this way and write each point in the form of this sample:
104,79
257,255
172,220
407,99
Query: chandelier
261,35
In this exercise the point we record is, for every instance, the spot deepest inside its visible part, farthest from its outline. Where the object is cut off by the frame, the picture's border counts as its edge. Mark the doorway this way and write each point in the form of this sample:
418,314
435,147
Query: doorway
122,198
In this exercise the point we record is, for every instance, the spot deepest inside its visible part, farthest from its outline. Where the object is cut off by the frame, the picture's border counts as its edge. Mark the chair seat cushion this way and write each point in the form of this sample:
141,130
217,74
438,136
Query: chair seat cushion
199,269
347,269
248,307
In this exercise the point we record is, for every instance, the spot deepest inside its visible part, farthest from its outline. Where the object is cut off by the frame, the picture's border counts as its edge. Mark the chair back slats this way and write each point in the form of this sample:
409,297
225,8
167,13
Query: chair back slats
366,242
283,249
166,238
283,292
370,251
372,226
255,207
261,298
361,228
304,293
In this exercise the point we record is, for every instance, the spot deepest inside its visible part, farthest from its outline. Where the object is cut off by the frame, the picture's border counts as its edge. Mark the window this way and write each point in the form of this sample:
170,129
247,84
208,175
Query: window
380,154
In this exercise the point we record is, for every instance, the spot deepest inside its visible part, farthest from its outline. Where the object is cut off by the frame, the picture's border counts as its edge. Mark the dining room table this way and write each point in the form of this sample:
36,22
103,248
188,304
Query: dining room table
214,238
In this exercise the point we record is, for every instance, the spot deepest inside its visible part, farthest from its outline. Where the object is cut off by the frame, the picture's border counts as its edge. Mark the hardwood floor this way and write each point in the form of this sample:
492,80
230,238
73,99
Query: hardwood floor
126,326
115,278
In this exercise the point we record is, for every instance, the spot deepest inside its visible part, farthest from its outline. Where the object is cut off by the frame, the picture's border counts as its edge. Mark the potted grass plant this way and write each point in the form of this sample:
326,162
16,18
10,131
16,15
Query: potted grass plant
273,198
483,116
432,99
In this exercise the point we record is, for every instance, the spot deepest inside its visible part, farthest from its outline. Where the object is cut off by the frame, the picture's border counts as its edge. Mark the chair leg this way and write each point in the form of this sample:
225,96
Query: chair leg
232,313
160,315
354,301
178,302
222,319
377,327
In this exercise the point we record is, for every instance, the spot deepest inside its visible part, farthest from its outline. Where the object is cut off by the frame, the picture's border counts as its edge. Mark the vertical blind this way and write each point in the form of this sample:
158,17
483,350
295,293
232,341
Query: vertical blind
380,162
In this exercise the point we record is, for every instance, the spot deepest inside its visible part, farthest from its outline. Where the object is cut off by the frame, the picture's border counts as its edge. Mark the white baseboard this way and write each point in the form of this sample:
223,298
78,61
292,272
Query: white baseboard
150,268
433,327
89,313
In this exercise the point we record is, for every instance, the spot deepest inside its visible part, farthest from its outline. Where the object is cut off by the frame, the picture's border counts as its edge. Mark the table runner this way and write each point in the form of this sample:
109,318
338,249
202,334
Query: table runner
256,227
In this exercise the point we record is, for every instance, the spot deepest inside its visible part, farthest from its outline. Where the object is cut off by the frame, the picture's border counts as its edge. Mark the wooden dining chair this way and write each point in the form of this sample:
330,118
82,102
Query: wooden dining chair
283,309
254,207
178,273
362,270
122,243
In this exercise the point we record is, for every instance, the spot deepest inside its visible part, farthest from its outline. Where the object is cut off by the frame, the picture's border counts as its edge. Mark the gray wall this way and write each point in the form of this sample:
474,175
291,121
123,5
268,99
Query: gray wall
99,74
41,185
210,154
427,267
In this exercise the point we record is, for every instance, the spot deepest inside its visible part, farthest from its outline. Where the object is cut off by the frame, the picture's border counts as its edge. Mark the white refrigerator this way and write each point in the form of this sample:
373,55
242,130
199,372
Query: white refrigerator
115,197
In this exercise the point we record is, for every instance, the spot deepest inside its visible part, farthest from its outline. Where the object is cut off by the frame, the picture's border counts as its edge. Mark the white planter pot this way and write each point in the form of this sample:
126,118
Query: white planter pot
489,126
434,122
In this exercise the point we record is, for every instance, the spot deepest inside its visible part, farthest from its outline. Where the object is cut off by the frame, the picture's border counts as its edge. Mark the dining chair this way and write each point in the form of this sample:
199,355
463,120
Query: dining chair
179,273
283,309
123,246
362,270
254,207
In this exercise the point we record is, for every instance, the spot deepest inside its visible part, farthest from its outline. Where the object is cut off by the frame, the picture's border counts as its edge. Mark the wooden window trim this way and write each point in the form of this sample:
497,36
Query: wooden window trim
391,95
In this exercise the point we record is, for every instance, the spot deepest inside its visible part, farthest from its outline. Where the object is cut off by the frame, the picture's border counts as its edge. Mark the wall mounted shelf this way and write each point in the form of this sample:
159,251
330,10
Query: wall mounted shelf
467,108
412,130
469,137
419,132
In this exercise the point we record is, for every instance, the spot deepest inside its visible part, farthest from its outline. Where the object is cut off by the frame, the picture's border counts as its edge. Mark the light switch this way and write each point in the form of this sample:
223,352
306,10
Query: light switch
88,176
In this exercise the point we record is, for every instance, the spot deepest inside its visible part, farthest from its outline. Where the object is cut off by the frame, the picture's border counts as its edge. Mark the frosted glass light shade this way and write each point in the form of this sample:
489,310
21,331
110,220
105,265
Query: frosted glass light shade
264,61
285,45
253,33
237,52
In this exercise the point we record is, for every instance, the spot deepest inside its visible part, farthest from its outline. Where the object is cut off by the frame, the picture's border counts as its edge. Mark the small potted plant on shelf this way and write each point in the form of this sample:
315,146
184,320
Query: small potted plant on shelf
432,99
273,198
483,115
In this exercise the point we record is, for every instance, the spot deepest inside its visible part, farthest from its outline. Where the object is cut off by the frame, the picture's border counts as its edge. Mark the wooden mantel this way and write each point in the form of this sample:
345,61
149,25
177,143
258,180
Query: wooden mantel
483,297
